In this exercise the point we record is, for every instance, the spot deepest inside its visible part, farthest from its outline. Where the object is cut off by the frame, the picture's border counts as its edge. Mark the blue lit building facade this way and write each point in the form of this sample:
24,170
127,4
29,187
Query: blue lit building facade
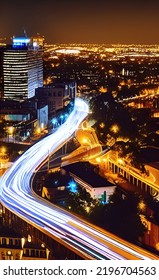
22,69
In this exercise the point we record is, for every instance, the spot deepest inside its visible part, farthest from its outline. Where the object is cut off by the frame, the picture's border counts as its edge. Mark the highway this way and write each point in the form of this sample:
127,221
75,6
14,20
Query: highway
16,195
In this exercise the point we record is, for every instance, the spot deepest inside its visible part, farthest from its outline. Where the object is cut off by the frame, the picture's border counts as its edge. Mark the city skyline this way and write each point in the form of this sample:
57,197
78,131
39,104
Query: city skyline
125,22
79,133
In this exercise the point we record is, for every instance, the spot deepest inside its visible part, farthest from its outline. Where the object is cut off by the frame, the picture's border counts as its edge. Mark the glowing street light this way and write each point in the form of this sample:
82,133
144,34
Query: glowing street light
3,150
157,246
61,117
102,125
38,131
66,116
142,206
120,161
98,159
84,141
54,122
10,130
114,128
87,142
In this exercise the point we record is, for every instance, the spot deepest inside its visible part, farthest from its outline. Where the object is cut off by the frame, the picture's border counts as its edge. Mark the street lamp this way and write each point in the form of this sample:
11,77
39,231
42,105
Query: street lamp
87,142
61,117
54,122
10,131
3,150
66,116
84,141
142,206
120,161
114,128
98,159
102,125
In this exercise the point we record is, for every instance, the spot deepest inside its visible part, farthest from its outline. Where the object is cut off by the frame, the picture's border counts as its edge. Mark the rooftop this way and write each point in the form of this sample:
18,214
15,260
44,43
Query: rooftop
87,173
8,232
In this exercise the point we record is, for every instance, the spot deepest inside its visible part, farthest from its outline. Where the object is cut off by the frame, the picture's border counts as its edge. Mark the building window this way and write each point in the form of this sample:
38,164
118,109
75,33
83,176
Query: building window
61,188
10,241
42,254
33,253
17,242
3,241
37,253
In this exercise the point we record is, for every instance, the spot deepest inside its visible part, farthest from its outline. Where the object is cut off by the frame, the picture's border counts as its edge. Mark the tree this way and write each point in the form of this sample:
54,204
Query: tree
80,201
75,204
143,121
56,179
121,216
110,114
131,153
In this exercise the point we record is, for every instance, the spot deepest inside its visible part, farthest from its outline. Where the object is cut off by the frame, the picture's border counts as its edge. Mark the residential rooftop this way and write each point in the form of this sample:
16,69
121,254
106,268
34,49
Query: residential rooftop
86,172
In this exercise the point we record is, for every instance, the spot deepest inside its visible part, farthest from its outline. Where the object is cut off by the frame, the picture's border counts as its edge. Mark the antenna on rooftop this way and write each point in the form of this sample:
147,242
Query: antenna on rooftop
25,34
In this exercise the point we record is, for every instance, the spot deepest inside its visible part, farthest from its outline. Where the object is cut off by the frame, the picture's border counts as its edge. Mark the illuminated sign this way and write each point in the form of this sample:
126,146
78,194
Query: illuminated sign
20,41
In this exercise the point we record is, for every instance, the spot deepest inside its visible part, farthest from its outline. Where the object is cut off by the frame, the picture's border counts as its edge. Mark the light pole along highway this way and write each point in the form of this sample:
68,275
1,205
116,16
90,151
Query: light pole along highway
74,233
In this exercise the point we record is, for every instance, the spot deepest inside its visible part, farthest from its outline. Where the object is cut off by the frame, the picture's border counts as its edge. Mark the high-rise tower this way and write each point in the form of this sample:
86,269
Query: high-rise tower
22,69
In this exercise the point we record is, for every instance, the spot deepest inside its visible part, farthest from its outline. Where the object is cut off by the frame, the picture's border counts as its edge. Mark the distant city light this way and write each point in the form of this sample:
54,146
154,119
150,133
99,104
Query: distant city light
68,51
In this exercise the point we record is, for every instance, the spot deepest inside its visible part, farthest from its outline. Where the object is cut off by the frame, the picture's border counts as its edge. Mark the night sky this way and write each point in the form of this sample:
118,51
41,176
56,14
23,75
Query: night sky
82,21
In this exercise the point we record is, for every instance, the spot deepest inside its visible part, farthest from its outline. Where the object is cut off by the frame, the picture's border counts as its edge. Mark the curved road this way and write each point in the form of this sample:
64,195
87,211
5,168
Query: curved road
16,195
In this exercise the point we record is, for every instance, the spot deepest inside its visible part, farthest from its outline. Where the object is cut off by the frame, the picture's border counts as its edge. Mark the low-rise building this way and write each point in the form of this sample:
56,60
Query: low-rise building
13,246
23,118
56,96
85,175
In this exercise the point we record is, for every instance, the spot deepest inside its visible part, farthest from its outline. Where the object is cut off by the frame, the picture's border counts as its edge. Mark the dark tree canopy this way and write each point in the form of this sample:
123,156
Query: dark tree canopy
121,216
107,114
